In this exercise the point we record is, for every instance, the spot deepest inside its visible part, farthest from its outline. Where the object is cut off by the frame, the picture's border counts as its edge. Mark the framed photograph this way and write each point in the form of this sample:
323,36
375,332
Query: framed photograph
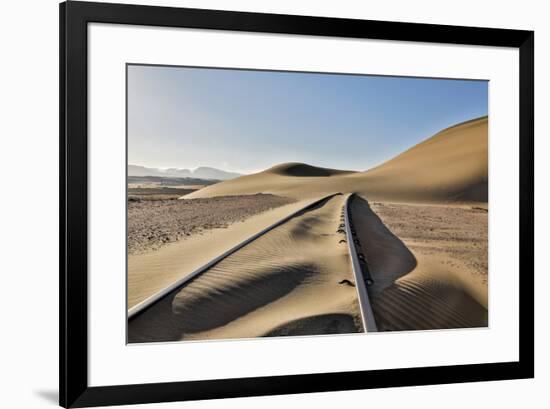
258,204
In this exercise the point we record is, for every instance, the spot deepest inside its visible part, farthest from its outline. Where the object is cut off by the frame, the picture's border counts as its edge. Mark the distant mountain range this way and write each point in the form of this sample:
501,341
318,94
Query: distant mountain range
202,172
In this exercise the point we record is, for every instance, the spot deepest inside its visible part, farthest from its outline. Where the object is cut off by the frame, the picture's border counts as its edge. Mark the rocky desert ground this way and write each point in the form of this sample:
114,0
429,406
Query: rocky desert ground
154,223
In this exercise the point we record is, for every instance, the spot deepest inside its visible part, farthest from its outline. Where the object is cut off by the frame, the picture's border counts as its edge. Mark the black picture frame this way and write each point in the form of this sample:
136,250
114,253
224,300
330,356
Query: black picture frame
73,257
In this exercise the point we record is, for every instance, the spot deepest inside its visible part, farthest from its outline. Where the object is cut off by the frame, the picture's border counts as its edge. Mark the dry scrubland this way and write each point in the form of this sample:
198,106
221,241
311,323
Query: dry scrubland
421,218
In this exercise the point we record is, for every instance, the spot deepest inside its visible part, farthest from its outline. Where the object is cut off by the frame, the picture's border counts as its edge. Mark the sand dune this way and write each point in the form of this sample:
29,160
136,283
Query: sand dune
449,167
302,170
288,179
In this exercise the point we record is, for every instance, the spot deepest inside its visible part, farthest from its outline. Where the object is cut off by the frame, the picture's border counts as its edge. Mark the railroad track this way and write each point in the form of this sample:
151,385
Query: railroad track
158,308
360,267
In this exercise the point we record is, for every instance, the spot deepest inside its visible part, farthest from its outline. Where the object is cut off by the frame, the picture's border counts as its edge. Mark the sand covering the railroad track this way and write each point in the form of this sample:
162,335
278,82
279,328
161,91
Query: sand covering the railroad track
152,271
434,275
449,167
287,282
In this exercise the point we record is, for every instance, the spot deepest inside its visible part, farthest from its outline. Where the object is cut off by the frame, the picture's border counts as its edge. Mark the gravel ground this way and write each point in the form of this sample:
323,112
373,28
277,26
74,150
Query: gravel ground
458,232
151,224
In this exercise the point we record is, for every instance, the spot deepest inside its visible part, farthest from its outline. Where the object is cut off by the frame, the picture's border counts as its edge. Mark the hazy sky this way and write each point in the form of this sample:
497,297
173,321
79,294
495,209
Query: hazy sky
247,121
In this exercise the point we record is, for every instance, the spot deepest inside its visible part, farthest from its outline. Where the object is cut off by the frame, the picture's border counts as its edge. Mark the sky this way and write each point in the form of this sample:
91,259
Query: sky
247,121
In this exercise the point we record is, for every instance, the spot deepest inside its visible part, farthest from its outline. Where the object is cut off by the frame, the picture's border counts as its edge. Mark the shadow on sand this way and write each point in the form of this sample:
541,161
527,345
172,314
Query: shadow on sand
423,300
388,257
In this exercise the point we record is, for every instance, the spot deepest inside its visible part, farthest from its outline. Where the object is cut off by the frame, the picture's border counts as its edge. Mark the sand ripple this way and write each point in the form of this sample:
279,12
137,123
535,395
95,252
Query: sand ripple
278,283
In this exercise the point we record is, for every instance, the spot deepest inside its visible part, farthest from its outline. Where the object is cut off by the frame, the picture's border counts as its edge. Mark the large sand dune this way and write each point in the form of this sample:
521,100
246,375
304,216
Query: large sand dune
451,166
448,167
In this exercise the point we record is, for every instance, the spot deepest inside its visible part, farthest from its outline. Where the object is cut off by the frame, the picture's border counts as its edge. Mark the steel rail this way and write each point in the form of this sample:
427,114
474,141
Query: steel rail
369,323
148,302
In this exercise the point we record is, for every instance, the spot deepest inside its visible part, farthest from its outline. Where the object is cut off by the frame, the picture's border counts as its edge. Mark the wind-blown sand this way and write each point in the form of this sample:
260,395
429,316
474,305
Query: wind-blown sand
151,271
449,167
428,263
421,219
286,282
